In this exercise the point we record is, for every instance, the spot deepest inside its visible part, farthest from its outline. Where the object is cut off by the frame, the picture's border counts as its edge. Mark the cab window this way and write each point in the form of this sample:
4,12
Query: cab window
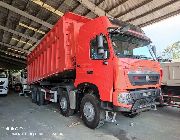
94,49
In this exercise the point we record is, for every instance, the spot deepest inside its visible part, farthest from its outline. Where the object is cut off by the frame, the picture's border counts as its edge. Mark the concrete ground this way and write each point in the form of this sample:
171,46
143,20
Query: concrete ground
22,120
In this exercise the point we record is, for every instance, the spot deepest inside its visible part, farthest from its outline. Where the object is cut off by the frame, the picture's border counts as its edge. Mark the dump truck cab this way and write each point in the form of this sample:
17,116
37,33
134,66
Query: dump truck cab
120,62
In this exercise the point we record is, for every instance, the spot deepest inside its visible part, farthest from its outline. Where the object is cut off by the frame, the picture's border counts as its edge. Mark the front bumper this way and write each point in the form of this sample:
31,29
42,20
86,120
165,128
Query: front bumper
141,100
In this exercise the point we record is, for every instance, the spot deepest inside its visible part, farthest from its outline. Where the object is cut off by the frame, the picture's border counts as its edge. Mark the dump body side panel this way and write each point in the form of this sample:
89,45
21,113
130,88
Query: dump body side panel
171,73
56,52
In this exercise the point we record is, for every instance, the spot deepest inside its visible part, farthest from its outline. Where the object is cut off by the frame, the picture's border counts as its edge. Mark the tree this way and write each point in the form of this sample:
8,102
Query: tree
172,51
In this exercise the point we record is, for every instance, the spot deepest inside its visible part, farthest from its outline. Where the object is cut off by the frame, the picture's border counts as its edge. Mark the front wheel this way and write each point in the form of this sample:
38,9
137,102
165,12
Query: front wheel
64,104
90,110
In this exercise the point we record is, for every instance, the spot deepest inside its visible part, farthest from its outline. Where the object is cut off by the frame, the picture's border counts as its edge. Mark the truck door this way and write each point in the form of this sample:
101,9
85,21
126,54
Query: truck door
96,69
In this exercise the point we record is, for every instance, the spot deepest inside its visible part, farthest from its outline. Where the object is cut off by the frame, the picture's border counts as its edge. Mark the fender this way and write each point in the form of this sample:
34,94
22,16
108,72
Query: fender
90,85
72,99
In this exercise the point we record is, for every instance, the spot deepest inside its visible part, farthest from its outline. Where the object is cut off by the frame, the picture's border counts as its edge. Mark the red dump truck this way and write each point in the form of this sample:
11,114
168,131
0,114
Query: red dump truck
95,67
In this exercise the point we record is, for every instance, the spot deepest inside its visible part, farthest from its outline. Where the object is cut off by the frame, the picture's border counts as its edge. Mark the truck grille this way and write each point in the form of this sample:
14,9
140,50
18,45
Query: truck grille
144,79
2,82
1,87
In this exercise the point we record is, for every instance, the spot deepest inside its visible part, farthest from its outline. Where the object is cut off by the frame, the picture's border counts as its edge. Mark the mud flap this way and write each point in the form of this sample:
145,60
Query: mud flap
72,99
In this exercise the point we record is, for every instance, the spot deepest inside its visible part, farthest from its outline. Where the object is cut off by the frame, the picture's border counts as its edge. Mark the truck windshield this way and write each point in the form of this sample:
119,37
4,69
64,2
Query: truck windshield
128,46
3,75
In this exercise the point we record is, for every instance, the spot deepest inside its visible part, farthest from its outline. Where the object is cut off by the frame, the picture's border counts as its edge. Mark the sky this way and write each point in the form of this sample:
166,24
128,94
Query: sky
164,33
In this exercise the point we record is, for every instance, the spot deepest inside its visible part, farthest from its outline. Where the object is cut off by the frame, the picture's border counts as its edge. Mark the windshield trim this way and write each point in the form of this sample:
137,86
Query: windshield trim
132,33
143,57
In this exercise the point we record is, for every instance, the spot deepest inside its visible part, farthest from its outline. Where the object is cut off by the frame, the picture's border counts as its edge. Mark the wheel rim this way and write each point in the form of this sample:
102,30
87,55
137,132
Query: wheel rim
63,103
89,111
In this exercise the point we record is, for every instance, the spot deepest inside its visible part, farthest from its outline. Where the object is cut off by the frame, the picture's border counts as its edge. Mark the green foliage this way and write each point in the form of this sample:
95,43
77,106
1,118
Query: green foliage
173,51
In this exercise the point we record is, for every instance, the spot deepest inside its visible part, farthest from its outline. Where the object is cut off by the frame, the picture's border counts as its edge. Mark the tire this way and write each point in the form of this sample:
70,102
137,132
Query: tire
40,98
64,104
129,114
90,111
34,95
37,97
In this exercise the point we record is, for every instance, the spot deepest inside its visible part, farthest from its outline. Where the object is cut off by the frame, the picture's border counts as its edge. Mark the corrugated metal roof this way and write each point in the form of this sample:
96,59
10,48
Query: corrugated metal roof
40,15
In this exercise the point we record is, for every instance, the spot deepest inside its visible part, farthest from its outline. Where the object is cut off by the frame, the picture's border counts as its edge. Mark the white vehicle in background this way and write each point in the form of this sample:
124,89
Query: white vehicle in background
3,83
23,80
19,82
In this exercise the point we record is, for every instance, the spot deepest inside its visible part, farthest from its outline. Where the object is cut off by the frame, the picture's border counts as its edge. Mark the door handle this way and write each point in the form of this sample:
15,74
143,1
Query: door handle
89,72
105,62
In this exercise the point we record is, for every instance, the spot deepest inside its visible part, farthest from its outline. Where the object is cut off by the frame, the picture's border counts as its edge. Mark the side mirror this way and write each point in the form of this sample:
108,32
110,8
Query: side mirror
100,44
105,55
100,41
154,50
101,51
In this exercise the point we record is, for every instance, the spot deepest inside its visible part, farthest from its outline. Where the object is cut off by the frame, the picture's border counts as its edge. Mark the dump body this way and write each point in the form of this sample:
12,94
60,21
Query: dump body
171,73
56,52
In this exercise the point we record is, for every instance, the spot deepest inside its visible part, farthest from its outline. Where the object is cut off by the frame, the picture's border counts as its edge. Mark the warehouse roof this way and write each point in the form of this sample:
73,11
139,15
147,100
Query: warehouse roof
23,23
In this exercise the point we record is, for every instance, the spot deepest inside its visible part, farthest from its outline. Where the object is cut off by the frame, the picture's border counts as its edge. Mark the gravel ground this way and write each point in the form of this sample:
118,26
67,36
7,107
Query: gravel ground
22,120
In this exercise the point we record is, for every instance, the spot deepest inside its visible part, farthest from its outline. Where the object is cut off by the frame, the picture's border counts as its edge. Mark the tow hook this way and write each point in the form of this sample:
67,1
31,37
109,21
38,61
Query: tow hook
110,116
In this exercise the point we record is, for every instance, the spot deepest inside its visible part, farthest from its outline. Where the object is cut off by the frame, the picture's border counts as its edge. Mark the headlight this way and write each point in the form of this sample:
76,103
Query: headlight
124,98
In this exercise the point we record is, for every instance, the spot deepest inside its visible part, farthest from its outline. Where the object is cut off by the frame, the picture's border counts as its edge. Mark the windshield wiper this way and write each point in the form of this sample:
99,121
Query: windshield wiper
142,57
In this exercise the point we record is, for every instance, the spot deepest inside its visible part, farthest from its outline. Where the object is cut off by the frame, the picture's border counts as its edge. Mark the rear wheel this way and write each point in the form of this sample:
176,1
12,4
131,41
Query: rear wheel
90,110
64,104
37,97
40,98
34,95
